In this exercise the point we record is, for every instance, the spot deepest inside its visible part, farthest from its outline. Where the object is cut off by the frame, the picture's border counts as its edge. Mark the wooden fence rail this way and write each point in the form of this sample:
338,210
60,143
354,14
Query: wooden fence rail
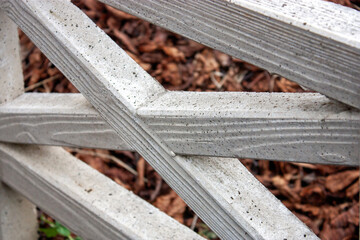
304,127
314,43
125,108
91,204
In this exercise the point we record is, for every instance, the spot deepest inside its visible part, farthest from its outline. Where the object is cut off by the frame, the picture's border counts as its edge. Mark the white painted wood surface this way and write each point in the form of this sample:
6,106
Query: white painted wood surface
18,217
116,86
315,43
11,78
86,201
281,126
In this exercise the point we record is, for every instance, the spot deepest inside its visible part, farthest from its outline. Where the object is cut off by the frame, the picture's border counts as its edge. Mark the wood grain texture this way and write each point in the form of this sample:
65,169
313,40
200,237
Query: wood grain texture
11,78
56,119
116,86
90,204
18,217
289,127
314,43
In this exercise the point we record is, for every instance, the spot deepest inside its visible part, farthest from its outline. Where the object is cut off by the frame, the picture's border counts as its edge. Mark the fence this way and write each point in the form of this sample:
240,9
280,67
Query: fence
122,107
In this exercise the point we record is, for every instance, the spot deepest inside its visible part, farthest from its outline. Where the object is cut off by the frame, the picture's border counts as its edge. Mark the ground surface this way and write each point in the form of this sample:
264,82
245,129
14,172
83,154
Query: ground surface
325,197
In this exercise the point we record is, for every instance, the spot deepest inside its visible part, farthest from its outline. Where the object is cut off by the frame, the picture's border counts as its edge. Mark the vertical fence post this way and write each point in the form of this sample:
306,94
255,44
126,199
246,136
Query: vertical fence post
17,214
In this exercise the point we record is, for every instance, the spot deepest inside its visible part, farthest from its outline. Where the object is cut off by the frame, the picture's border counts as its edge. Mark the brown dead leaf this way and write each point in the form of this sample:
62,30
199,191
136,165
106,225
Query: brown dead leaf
286,85
94,162
329,169
223,59
314,194
330,233
339,181
329,212
248,66
118,181
171,204
191,48
113,23
36,75
119,15
280,183
350,216
125,40
149,47
152,57
140,166
53,71
308,208
35,58
171,74
208,60
174,53
353,189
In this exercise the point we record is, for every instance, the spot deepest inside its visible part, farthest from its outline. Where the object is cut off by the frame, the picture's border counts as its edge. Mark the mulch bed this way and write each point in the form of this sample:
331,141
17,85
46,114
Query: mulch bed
325,197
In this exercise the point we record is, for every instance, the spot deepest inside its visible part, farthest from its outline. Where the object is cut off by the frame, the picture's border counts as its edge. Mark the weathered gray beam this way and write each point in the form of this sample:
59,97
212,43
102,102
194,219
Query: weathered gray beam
291,127
18,217
89,203
315,43
11,78
58,120
117,87
304,127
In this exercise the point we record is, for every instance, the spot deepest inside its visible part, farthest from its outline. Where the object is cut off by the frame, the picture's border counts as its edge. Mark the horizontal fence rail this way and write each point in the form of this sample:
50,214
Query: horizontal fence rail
221,191
304,127
89,203
314,43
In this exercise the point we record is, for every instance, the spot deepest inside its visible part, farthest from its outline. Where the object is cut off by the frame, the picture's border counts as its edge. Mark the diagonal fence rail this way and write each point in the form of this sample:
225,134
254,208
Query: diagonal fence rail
141,115
314,43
